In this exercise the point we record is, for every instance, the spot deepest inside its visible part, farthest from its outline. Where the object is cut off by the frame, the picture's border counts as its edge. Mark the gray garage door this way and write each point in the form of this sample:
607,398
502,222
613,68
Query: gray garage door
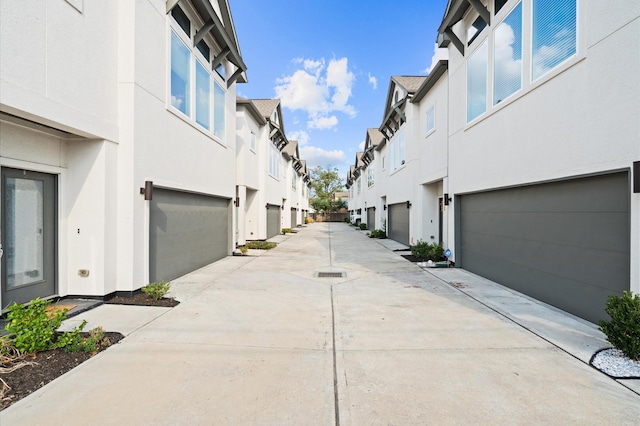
187,231
566,243
371,218
273,220
398,228
294,220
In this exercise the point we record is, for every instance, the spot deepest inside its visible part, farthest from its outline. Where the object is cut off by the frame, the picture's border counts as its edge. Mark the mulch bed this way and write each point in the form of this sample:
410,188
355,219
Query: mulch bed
412,258
48,366
142,299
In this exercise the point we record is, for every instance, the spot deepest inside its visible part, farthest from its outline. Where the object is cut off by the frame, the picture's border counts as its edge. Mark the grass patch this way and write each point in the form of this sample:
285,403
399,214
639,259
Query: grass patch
260,245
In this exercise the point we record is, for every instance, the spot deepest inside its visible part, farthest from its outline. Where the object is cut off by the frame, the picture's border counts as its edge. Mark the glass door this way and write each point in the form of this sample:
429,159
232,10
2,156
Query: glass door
28,212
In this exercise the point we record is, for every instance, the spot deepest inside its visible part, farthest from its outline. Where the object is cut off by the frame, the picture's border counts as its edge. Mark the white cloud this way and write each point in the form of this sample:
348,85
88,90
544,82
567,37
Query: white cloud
507,64
318,90
319,157
361,146
301,136
373,81
322,122
439,53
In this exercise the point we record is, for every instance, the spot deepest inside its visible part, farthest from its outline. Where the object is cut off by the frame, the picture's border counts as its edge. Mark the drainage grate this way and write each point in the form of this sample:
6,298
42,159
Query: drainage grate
330,274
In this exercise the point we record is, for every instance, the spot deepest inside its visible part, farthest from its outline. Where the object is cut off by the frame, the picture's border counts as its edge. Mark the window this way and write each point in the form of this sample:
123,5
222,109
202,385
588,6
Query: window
553,34
397,149
218,110
194,88
477,82
294,179
203,96
384,157
370,175
549,41
180,73
359,185
507,56
253,141
274,161
431,119
475,29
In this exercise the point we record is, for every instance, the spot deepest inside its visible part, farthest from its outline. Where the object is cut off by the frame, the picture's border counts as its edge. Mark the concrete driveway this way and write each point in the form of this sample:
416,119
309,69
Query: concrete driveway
265,340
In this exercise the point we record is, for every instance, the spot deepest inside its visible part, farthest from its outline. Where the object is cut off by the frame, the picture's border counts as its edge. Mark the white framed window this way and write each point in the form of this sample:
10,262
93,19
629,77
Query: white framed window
195,92
507,56
477,82
274,161
553,34
529,39
294,179
397,150
252,141
383,161
371,175
359,186
431,119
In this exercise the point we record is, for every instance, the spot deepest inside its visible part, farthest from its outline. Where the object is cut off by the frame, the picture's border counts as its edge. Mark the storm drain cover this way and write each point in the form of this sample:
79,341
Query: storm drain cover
330,274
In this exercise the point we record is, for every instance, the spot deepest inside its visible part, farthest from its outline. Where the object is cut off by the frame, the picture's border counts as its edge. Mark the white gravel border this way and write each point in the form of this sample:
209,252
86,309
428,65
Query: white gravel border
613,363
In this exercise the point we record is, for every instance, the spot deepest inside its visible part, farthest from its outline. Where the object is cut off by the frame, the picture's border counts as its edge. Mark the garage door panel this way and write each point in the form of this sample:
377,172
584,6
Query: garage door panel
398,226
187,231
371,219
273,220
560,242
590,229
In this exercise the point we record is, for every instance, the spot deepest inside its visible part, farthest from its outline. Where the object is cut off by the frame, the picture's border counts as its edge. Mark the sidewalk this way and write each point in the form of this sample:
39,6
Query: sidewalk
265,340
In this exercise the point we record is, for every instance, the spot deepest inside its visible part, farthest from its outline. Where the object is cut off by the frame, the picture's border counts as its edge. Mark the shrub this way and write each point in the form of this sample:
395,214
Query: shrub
287,230
308,220
156,290
74,342
32,327
261,245
347,220
243,249
363,226
623,330
378,233
428,251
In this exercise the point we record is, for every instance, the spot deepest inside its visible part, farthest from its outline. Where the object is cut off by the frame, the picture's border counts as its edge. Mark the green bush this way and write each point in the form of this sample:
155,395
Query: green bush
428,251
623,330
363,226
287,230
156,290
261,245
378,233
347,220
32,327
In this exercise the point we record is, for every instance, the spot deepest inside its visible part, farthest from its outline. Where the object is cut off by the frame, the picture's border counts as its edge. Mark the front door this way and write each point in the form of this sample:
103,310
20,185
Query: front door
28,235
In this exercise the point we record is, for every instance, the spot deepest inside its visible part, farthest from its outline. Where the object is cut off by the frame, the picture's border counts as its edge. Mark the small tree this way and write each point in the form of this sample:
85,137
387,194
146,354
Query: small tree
325,182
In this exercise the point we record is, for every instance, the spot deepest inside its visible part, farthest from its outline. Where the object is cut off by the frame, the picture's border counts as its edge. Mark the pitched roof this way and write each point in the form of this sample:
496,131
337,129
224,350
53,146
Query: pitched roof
410,82
266,106
291,149
375,136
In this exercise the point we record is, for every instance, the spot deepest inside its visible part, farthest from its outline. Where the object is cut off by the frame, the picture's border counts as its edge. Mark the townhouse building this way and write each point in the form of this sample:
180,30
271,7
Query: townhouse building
529,148
118,147
272,179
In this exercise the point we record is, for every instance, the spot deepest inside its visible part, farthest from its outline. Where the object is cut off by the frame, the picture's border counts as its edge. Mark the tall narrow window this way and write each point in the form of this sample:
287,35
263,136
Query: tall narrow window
475,29
370,175
203,96
180,72
218,110
477,82
553,34
253,141
507,56
431,119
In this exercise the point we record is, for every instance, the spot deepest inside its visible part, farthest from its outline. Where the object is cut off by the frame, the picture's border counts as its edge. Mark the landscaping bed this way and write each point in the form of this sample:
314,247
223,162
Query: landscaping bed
44,367
142,299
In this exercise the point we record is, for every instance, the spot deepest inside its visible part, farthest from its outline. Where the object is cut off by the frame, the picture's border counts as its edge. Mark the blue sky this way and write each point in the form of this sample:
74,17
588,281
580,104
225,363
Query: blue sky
330,62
